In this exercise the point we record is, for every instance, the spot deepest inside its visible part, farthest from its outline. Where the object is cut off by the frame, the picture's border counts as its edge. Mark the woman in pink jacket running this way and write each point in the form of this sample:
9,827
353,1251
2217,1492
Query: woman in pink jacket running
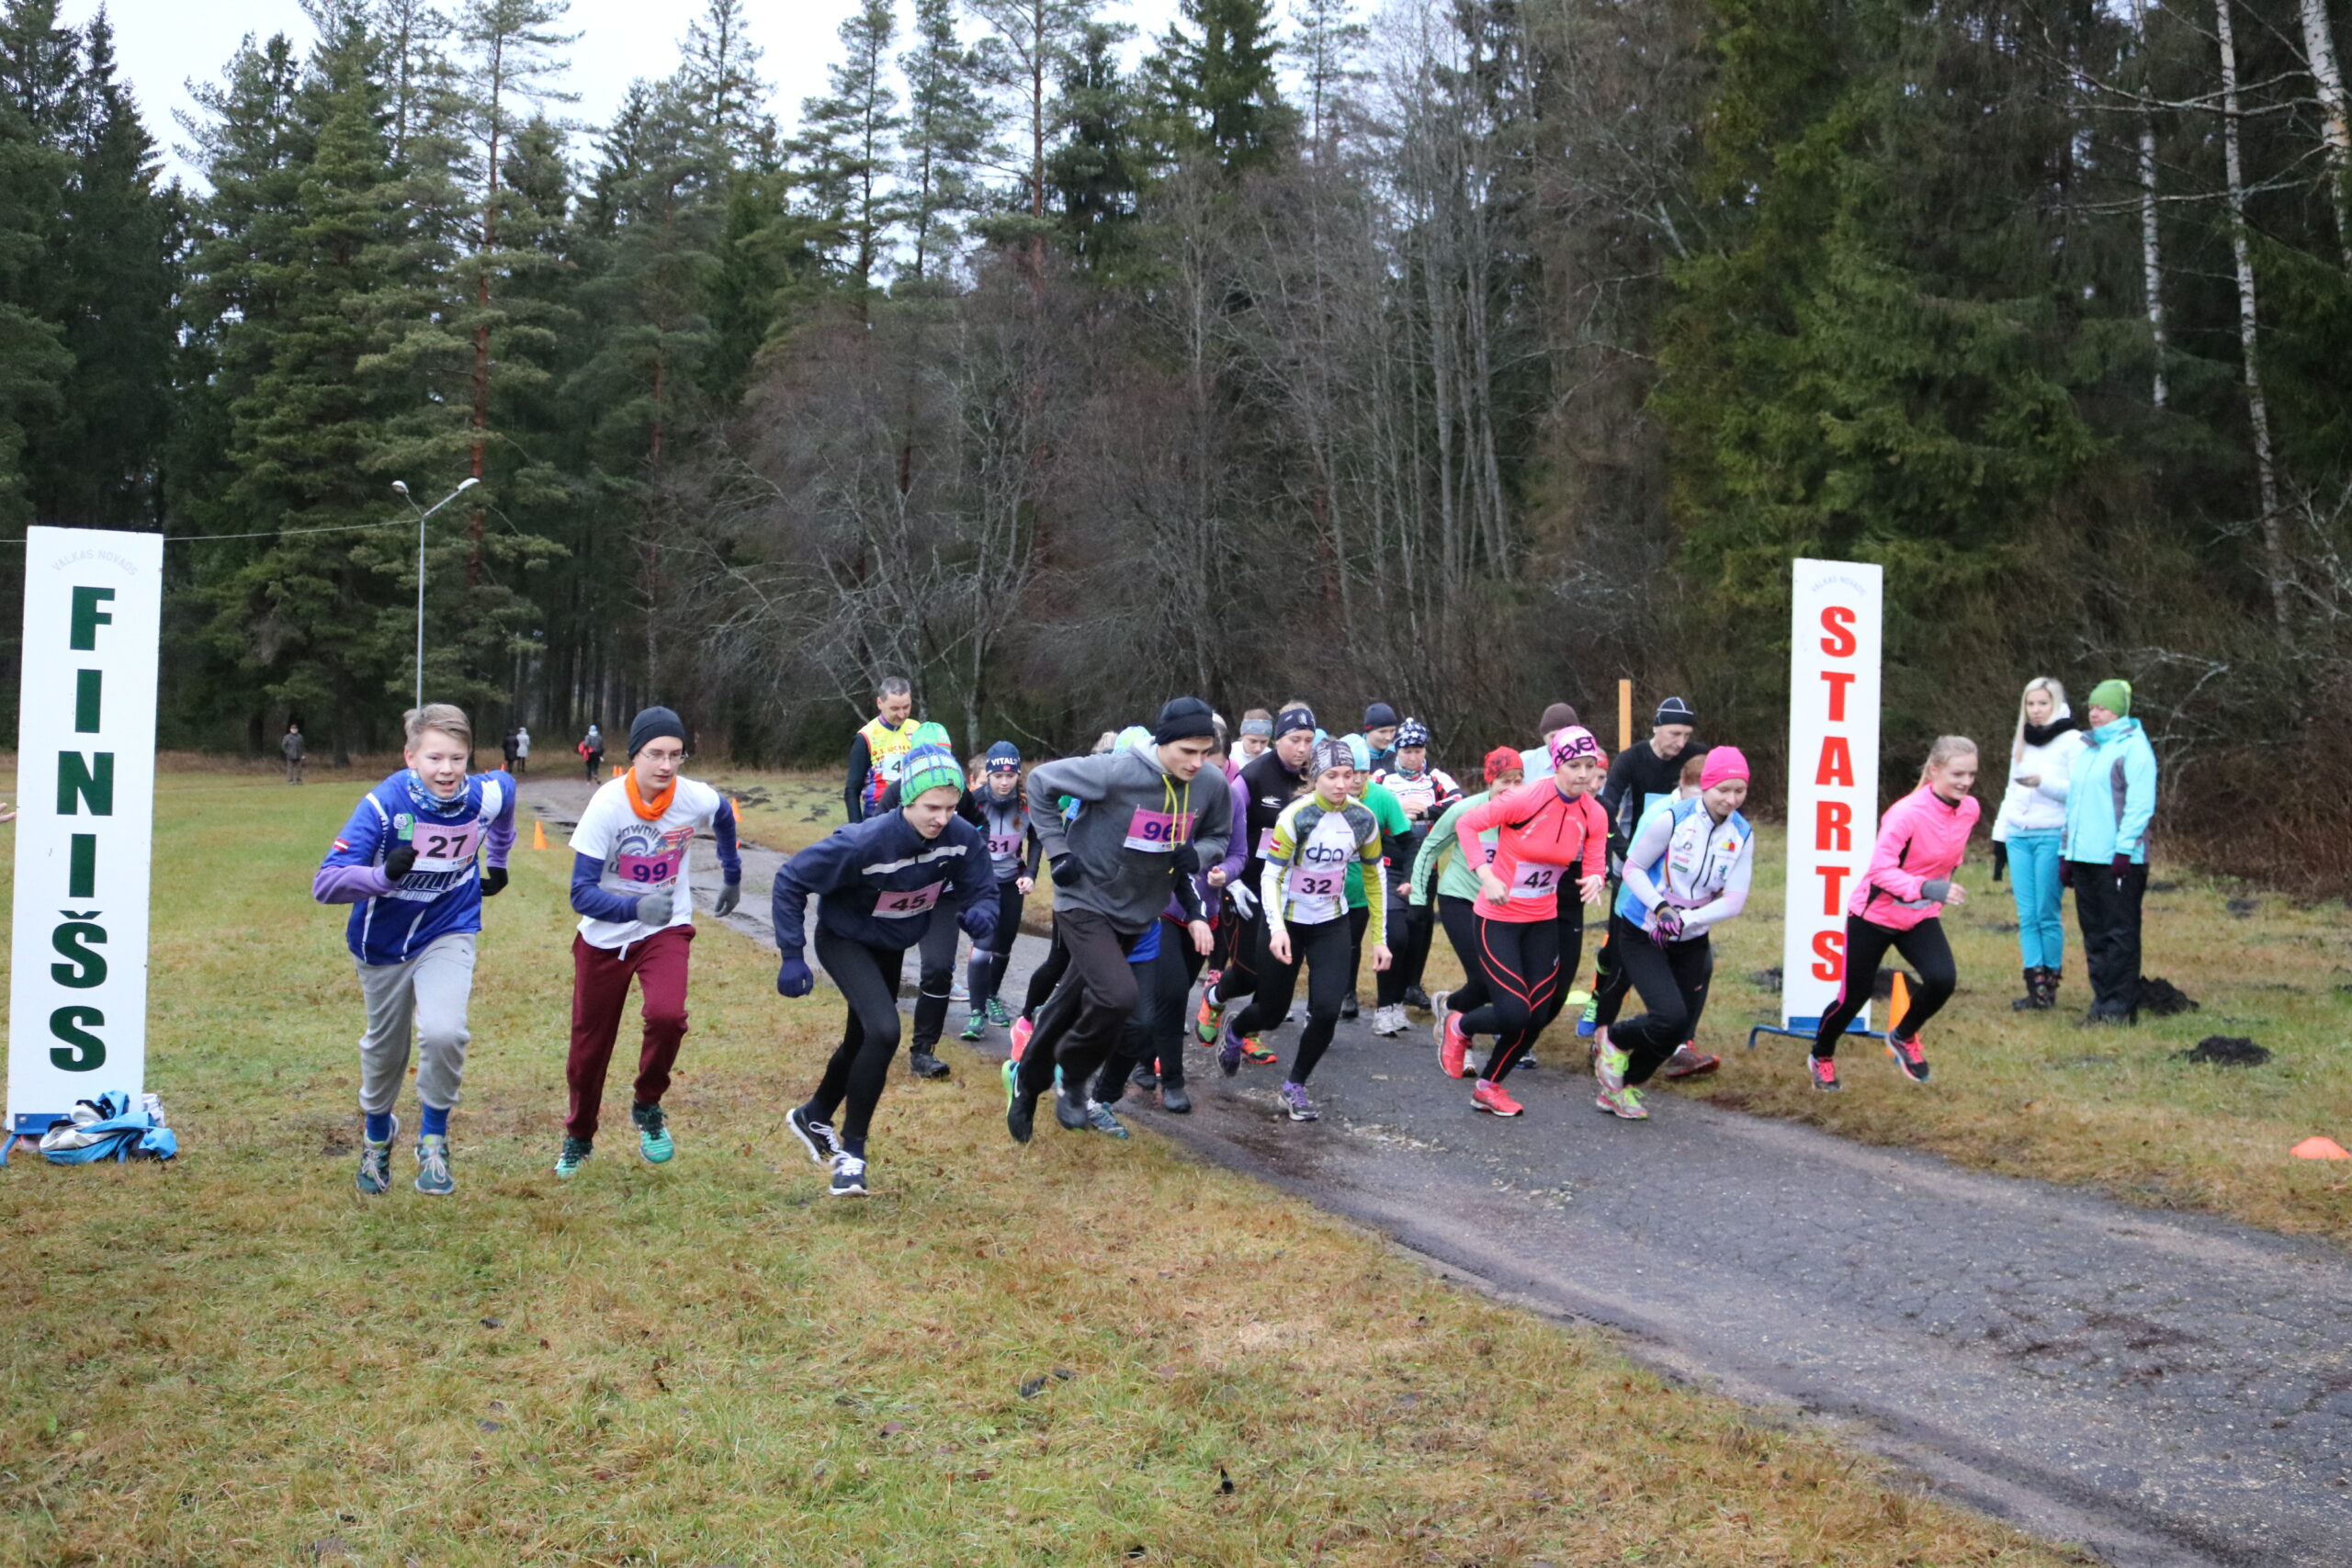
1899,904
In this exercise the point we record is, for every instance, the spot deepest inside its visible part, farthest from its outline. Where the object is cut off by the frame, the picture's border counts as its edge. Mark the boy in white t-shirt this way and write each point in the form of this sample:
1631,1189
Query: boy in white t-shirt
629,864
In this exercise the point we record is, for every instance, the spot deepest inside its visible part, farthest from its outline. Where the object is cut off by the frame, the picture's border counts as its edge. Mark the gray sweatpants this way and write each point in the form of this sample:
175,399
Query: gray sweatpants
429,991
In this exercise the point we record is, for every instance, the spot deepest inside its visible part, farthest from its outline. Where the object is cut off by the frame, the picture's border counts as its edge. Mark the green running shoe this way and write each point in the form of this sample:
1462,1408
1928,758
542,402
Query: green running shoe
432,1177
999,1014
654,1139
575,1154
376,1162
1610,1068
974,1028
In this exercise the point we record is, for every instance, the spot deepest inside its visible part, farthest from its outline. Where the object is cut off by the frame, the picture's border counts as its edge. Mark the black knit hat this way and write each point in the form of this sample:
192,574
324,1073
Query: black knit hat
1184,718
653,724
1674,710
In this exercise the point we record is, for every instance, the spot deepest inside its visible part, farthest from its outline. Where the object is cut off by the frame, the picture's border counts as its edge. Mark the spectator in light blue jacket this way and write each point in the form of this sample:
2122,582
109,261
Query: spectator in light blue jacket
2110,800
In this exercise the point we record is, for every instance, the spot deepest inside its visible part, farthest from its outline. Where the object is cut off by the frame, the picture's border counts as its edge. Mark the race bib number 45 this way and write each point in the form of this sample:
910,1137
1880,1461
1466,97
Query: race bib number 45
899,902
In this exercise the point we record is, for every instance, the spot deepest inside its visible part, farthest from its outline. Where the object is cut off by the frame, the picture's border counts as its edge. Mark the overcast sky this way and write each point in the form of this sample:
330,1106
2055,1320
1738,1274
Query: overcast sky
163,43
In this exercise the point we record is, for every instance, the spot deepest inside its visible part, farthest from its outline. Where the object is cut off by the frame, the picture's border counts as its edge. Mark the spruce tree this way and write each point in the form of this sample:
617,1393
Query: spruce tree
36,93
1217,59
947,134
848,145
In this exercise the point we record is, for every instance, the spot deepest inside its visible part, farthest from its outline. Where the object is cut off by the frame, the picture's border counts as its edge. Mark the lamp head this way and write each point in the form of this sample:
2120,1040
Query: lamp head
468,485
401,485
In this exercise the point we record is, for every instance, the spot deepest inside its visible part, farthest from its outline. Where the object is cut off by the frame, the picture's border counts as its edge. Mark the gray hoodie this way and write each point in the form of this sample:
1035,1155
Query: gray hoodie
1132,814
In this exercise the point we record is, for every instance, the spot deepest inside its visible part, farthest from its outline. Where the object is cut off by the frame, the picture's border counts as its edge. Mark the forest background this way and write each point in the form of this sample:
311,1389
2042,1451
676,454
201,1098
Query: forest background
1466,354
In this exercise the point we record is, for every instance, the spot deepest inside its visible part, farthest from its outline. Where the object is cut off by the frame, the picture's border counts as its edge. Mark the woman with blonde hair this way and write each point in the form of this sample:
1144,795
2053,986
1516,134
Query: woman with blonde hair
2031,823
1899,904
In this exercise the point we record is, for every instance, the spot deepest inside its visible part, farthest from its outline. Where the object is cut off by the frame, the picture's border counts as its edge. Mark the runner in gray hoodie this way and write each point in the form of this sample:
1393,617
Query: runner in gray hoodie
1143,819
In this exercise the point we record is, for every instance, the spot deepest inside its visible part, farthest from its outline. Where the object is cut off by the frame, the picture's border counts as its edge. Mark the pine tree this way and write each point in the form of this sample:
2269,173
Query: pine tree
848,144
1217,59
1022,57
36,61
1329,43
720,82
947,133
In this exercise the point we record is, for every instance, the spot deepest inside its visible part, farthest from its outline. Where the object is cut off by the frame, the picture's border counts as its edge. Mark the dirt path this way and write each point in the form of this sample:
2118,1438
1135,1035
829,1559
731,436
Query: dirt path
2163,1388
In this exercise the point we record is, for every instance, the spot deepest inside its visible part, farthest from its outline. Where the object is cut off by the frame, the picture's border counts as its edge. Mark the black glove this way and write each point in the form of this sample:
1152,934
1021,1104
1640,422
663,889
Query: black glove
1066,872
2122,868
2000,859
2066,874
730,894
400,863
493,881
1187,860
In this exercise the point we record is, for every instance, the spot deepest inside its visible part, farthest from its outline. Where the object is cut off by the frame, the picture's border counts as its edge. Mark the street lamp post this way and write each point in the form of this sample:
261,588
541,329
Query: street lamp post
422,513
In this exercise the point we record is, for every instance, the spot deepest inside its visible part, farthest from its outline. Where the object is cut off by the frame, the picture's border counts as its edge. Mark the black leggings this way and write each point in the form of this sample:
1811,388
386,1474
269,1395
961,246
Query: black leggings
1672,980
1522,963
986,971
1043,979
1412,925
934,978
1080,1023
1460,917
867,978
1359,922
1156,1030
1322,951
1243,964
1923,947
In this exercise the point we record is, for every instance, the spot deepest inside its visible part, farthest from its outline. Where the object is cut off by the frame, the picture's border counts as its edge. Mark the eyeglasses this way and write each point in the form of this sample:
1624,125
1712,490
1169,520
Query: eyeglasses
663,758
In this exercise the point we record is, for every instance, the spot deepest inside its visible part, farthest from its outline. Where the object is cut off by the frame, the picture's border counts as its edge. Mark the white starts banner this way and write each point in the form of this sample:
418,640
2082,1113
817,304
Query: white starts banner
1833,774
85,772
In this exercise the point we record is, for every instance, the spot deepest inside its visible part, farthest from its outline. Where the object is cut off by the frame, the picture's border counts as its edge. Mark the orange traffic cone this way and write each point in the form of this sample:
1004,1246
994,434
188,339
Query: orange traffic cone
539,834
2320,1148
1899,1001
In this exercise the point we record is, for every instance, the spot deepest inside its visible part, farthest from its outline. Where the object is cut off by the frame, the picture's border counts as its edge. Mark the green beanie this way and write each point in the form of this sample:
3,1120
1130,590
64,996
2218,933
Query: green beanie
929,766
2115,696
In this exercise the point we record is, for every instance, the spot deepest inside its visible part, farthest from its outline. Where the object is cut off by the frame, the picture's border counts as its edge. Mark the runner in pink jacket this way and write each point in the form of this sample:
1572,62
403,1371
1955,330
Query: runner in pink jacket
1899,905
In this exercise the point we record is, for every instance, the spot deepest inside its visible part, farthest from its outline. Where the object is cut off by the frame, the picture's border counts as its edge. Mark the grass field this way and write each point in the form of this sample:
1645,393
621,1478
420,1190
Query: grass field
1082,1352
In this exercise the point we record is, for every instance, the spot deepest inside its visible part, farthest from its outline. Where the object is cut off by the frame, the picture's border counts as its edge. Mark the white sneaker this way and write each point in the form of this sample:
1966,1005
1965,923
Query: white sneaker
1389,1019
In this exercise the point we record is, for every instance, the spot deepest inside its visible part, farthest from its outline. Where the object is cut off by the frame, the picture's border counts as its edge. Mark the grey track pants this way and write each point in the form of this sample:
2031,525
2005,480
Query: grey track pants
428,992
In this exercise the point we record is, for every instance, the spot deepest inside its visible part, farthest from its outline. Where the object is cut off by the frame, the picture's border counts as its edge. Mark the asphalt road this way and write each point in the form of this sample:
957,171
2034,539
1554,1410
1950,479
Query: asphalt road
2162,1389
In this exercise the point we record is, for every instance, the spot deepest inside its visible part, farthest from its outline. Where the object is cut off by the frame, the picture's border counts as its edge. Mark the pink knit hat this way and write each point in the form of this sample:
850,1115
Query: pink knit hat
1566,745
1722,762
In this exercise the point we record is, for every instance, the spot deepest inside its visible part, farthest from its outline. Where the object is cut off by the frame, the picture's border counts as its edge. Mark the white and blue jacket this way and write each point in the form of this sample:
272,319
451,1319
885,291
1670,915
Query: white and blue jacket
1682,856
2111,796
441,896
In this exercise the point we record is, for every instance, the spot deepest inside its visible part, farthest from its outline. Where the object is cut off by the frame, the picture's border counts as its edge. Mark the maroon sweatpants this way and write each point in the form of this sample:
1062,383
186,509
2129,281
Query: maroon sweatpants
600,977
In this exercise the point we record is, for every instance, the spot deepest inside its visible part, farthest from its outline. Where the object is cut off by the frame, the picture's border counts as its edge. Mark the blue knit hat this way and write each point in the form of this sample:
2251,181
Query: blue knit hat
1004,757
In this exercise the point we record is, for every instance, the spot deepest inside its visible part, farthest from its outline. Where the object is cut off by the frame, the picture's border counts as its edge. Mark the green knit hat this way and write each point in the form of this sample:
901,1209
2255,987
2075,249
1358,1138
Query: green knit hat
928,767
2115,696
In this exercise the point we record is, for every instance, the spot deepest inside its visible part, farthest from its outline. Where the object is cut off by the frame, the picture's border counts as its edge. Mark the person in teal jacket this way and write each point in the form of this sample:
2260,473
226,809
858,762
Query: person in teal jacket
2110,800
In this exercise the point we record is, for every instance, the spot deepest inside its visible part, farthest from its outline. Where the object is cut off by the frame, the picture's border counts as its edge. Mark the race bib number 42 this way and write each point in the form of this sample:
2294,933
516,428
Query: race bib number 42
1535,882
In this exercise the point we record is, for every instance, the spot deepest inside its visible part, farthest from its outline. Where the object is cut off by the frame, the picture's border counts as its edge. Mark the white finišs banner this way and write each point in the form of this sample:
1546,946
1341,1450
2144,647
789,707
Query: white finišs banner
1833,774
85,776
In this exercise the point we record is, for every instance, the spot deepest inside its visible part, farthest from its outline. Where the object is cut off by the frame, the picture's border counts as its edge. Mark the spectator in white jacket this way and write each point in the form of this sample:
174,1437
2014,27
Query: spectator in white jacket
2028,830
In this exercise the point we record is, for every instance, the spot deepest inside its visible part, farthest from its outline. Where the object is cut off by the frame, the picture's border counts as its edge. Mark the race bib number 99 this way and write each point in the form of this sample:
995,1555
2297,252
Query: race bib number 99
900,904
649,870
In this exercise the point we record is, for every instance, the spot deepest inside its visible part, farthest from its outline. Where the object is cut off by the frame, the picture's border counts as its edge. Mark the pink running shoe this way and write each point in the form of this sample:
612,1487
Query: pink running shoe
1908,1056
1022,1029
1824,1072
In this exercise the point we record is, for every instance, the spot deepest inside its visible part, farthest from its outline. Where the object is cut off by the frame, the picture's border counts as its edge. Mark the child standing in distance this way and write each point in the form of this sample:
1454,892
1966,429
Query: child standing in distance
1899,903
879,883
406,864
630,865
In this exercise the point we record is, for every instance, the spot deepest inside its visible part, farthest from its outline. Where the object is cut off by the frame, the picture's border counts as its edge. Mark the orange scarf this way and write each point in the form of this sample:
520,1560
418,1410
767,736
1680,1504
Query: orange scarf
650,810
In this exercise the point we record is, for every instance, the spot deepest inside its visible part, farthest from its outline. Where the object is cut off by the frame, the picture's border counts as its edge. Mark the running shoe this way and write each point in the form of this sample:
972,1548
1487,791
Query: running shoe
575,1154
1690,1062
1210,1020
1908,1055
1453,1045
1588,1020
1228,1055
376,1162
1490,1097
1173,1100
1438,1014
849,1177
1022,1029
999,1014
1144,1077
1258,1054
975,1027
654,1139
1388,1021
1020,1115
1624,1100
1349,1007
1295,1103
1417,998
432,1177
960,991
1824,1072
1526,1059
818,1137
1609,1067
924,1065
1075,1115
1099,1118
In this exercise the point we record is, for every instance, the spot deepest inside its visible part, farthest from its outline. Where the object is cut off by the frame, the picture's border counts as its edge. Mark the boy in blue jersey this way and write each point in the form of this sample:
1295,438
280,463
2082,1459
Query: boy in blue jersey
879,883
407,863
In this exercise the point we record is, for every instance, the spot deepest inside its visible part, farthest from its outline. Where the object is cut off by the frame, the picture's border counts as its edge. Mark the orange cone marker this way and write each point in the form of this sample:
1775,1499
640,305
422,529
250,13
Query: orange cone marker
1899,1002
2320,1148
539,834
